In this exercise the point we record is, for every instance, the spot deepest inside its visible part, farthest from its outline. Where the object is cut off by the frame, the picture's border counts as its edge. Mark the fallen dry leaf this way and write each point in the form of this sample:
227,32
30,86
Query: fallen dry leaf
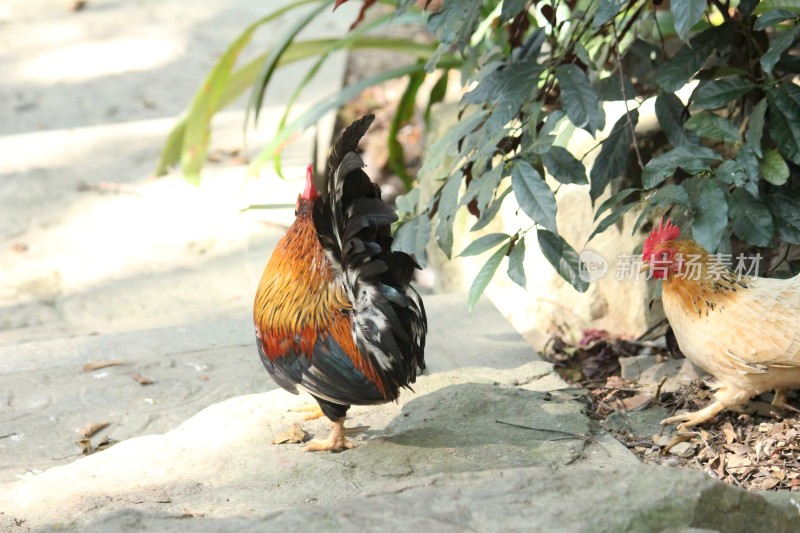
770,483
96,365
737,464
142,380
637,402
93,428
104,444
85,445
294,435
730,434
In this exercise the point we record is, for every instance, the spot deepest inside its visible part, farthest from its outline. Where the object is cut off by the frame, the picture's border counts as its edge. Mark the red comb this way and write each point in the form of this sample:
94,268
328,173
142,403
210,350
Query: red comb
310,192
662,233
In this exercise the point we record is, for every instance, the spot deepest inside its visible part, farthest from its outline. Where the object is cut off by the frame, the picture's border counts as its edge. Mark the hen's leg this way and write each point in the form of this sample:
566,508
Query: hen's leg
779,401
698,417
336,441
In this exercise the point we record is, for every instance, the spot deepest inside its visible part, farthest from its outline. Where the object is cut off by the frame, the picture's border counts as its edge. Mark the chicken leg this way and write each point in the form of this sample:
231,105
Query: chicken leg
698,417
336,441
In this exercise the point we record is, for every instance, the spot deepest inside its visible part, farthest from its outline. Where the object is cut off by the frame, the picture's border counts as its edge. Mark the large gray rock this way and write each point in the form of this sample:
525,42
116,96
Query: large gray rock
45,397
221,462
631,498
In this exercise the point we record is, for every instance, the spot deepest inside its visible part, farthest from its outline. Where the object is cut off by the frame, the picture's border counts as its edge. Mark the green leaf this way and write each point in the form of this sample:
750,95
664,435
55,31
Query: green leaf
563,166
579,99
710,126
171,152
710,211
669,195
609,89
507,88
717,93
731,172
784,120
677,70
773,17
487,242
483,187
484,276
244,77
751,219
692,159
491,211
407,203
768,5
206,102
773,168
563,257
787,217
606,11
777,47
447,145
516,266
352,39
438,92
402,116
755,127
412,237
543,140
641,218
614,200
454,23
448,204
271,63
613,157
314,113
511,8
534,196
615,215
671,115
686,13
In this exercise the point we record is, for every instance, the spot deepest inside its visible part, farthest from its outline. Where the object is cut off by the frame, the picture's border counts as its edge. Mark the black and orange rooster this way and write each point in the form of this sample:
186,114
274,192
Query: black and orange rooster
335,313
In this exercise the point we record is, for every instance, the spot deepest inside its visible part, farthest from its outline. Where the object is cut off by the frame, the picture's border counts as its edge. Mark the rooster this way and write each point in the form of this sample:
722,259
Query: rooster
744,331
335,314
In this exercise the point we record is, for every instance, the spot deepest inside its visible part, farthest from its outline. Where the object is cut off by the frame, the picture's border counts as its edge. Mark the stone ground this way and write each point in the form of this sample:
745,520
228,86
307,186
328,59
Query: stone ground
100,263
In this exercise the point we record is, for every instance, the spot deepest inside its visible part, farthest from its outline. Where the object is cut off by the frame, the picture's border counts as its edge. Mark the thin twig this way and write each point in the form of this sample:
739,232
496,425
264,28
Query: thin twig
651,329
571,435
625,98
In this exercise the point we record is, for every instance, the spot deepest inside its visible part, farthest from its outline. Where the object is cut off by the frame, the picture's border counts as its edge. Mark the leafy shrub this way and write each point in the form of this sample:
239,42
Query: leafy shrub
729,162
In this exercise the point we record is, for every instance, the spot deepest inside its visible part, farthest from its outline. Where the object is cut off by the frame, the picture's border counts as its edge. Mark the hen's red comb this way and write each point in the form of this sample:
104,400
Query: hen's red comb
662,233
310,192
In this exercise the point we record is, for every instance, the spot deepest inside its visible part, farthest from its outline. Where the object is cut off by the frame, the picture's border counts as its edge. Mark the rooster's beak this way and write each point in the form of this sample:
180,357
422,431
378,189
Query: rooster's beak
645,267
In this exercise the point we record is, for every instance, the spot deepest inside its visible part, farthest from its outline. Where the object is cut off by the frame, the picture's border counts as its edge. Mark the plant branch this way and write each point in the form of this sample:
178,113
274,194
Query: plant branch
625,99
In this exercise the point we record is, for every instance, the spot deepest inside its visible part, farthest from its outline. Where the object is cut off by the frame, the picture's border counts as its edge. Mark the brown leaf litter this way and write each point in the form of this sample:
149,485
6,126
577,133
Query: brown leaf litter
293,435
757,449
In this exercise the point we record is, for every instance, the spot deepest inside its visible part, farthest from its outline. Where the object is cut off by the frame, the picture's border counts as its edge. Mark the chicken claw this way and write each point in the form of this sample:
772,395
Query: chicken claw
336,441
692,419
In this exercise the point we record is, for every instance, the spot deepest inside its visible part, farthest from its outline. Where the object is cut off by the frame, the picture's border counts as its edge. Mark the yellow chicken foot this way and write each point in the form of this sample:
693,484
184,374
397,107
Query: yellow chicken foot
779,401
692,419
313,411
336,441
